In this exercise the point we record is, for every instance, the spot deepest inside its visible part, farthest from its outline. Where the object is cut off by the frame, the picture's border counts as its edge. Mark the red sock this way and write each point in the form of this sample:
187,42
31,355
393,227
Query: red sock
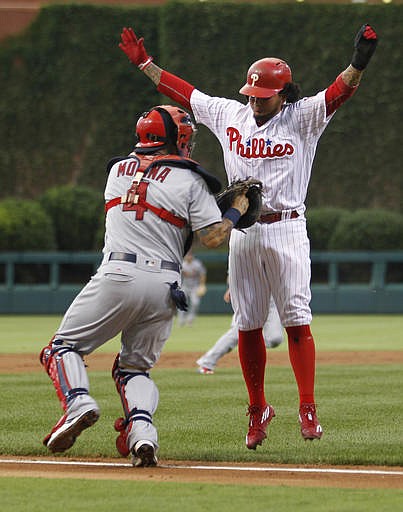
252,356
301,350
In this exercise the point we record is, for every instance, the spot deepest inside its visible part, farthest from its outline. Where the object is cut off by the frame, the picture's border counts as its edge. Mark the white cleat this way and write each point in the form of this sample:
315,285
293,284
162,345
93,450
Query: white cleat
65,432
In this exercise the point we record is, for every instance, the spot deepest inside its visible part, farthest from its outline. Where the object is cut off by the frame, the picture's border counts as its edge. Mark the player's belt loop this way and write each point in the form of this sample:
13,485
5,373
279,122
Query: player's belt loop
269,218
132,258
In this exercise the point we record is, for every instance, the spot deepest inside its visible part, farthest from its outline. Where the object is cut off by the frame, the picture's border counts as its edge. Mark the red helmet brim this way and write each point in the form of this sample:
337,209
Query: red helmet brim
258,92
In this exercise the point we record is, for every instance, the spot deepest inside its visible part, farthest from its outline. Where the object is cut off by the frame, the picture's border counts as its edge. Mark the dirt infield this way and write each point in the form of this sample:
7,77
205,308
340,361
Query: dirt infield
10,363
202,472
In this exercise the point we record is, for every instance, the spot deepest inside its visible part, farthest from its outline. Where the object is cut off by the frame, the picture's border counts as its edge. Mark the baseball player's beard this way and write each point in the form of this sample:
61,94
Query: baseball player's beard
262,119
265,108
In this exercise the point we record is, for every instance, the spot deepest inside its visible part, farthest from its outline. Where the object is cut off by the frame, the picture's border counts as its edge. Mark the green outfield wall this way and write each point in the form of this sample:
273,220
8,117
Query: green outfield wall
342,282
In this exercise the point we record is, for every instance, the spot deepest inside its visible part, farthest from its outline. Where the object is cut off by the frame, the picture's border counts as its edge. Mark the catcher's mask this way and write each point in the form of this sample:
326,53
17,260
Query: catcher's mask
165,126
266,77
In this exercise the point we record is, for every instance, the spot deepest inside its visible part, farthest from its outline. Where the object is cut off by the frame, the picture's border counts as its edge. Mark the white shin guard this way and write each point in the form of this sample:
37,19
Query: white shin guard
140,397
67,371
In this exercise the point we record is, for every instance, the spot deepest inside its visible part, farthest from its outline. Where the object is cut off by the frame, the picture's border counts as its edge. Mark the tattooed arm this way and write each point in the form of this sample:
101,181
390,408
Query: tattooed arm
342,89
170,85
351,76
153,72
214,235
347,82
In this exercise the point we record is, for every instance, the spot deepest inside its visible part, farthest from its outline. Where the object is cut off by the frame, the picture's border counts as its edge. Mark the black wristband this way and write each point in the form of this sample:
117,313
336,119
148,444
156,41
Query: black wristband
233,215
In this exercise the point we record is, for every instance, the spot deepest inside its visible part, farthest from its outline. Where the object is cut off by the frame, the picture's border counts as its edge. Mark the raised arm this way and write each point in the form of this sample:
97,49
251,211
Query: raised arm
364,47
172,86
347,82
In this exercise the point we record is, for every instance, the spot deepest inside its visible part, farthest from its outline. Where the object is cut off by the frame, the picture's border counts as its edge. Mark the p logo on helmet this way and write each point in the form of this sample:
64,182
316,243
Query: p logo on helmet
266,77
254,78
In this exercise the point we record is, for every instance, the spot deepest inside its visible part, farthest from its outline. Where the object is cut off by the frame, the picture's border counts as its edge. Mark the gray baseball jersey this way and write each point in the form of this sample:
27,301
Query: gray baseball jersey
193,274
133,298
181,191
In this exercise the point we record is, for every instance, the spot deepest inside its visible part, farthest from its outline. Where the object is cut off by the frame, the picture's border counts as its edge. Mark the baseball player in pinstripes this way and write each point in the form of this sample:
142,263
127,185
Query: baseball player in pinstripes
154,198
273,138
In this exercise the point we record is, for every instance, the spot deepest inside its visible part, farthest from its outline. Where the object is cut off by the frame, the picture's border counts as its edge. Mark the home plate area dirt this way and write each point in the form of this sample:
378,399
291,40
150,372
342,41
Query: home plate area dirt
199,471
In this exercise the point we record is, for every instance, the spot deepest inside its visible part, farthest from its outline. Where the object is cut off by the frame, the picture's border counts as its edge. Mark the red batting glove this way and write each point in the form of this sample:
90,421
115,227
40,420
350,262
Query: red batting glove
134,48
369,33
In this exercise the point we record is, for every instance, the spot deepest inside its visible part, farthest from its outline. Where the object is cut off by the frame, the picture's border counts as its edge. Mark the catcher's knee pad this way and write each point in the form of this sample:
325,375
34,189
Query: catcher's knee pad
66,369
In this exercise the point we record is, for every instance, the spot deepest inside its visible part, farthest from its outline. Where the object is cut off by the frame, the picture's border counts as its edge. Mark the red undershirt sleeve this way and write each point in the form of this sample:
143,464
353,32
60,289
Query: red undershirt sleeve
336,94
176,89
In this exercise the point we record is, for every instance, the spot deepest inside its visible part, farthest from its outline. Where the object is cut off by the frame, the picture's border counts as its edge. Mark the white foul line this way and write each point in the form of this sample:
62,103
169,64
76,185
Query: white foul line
216,468
298,470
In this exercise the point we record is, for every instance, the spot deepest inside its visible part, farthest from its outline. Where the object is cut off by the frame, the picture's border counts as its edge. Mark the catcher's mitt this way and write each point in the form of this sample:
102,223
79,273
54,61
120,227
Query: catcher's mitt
254,194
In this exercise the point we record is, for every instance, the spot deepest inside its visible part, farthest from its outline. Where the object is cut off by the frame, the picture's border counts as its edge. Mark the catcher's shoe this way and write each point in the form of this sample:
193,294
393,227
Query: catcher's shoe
205,371
68,428
144,455
260,417
310,426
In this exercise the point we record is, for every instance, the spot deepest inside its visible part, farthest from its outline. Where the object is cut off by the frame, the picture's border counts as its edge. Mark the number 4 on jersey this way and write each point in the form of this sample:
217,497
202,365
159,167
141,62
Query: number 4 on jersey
138,194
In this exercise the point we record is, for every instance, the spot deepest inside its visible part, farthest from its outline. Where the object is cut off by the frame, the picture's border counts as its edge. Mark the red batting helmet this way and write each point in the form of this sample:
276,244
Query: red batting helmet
165,125
266,77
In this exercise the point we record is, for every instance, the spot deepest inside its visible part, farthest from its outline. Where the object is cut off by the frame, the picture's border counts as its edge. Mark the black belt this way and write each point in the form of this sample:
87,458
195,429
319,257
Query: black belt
132,258
268,218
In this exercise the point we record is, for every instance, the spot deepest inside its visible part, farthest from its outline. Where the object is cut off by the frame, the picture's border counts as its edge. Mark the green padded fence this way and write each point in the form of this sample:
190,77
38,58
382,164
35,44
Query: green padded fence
342,282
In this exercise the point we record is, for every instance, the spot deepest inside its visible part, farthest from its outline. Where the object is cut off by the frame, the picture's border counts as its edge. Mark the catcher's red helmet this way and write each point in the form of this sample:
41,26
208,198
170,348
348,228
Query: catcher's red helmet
266,77
164,125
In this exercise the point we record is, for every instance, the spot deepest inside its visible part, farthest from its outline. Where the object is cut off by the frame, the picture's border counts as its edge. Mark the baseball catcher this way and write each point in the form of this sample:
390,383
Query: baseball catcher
155,199
254,193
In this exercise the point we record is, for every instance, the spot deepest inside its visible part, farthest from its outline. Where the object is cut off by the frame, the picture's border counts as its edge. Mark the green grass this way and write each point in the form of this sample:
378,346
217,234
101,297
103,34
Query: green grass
203,418
331,332
37,495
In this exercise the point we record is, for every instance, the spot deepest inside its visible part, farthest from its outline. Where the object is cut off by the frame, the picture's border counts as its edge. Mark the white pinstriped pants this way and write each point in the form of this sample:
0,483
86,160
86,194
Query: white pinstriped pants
270,259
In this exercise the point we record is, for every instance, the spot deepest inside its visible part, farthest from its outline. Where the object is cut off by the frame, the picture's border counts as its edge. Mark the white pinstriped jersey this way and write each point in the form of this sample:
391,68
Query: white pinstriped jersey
269,259
280,153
